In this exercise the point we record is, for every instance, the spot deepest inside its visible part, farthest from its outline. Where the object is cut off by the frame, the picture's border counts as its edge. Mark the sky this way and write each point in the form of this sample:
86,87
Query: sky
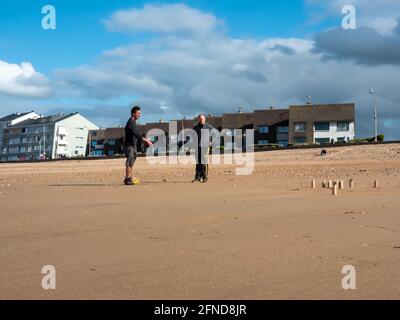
180,58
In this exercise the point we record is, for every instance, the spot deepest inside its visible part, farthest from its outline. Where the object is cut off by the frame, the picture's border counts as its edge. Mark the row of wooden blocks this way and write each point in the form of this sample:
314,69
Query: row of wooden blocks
336,185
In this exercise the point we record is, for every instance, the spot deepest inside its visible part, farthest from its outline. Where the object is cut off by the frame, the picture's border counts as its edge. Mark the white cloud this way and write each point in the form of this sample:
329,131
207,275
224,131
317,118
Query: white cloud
162,18
22,80
215,73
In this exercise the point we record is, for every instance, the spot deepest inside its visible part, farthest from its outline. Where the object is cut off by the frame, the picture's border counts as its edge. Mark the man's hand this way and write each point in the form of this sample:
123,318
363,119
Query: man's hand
149,143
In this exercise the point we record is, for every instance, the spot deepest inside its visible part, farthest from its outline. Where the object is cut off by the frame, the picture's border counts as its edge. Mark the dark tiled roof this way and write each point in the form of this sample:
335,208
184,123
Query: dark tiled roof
322,112
114,133
98,134
237,120
14,116
43,120
270,117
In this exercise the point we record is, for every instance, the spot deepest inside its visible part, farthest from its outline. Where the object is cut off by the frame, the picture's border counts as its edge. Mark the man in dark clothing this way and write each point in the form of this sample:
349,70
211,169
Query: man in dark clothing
203,149
132,137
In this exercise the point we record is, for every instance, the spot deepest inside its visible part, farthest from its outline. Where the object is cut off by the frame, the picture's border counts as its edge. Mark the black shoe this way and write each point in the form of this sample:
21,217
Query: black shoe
128,182
205,180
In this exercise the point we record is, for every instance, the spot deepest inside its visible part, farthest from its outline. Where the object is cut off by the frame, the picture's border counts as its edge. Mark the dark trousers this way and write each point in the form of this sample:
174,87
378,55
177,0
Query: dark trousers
202,166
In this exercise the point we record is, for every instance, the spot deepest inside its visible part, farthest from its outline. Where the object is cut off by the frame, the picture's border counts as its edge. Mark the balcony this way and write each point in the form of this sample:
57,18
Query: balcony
62,131
62,152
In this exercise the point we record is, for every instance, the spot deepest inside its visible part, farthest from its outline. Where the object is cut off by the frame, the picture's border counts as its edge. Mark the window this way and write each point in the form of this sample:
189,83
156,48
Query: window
36,148
300,140
14,141
343,126
29,149
94,143
341,139
321,126
283,143
283,129
110,152
263,142
13,150
4,150
263,129
23,150
111,142
323,140
24,140
299,126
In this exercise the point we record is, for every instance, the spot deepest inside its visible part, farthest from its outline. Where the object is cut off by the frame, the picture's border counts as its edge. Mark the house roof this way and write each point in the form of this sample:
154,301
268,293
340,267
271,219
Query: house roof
14,116
43,120
237,120
270,117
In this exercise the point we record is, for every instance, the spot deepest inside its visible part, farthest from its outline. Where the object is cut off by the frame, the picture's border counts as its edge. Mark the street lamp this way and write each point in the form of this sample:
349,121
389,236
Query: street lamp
372,91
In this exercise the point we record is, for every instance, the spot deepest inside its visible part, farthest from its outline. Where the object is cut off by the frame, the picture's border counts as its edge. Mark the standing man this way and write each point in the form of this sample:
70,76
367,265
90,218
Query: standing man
132,137
203,149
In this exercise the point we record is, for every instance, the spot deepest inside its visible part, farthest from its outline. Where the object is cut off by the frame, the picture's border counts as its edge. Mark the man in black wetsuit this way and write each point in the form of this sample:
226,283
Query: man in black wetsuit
132,137
203,149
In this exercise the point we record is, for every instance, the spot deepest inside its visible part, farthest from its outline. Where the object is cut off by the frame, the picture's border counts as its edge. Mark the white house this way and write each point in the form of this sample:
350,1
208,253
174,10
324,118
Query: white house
52,137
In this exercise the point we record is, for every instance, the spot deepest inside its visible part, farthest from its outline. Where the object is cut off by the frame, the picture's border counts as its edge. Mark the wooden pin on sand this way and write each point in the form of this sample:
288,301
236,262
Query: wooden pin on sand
324,185
351,183
376,184
341,185
313,184
330,184
335,190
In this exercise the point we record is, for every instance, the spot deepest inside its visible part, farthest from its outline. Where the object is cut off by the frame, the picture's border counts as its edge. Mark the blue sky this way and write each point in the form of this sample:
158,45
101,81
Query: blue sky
178,58
81,34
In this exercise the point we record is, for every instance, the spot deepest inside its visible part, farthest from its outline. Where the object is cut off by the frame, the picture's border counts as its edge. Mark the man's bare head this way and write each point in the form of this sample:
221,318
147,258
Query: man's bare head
202,119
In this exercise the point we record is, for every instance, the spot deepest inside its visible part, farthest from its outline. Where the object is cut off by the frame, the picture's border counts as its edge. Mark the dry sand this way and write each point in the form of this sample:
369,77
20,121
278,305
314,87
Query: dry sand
264,236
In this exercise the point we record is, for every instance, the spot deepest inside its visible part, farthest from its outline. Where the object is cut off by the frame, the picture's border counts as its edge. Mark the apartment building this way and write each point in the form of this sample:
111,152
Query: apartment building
303,124
105,142
13,119
321,124
50,137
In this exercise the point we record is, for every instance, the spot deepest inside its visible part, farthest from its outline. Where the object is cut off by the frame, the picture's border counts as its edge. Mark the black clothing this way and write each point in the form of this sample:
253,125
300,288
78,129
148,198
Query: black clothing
202,151
132,134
